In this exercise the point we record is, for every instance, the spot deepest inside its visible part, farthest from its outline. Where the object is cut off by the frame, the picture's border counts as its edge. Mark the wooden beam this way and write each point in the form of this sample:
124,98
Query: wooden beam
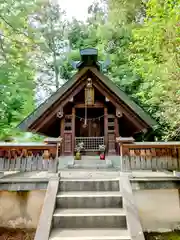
117,104
27,146
147,145
96,105
102,84
53,140
56,108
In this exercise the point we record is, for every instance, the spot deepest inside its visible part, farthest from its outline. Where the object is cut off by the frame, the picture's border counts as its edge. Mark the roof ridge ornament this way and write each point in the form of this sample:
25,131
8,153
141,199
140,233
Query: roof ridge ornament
89,57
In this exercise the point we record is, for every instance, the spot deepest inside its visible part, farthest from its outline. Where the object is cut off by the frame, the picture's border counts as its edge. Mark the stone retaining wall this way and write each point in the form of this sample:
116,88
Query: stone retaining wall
159,209
20,209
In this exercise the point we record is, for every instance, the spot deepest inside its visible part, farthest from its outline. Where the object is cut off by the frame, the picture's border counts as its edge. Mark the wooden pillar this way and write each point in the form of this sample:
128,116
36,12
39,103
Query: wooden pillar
73,128
106,128
62,135
116,127
116,133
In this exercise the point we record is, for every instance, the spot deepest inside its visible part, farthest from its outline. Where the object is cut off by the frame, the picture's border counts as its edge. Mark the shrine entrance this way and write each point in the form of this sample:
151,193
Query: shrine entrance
92,126
89,128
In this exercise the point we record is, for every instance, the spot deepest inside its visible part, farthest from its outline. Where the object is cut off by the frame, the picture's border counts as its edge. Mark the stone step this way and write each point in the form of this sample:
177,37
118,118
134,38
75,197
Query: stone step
89,218
89,185
89,200
90,166
87,174
93,163
90,161
89,234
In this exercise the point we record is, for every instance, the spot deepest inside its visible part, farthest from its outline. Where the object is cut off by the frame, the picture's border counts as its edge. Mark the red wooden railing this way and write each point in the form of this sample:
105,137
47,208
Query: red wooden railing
29,156
149,155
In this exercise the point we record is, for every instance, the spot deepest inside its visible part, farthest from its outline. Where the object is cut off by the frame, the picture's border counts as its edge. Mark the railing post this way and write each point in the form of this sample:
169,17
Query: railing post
121,141
58,142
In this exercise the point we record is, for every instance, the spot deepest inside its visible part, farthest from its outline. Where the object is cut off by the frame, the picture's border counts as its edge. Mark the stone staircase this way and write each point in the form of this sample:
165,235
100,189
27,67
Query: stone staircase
89,209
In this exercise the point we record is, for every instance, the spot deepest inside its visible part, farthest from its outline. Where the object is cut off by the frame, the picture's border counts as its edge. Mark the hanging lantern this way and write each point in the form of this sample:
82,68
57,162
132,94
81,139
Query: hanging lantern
89,92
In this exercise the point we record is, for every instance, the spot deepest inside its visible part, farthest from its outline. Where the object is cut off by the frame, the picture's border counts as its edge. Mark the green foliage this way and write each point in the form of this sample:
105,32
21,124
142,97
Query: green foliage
16,74
163,236
155,59
142,39
50,34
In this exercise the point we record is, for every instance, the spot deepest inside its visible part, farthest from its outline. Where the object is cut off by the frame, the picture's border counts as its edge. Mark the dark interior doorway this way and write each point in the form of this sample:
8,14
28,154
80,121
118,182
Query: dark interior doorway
95,122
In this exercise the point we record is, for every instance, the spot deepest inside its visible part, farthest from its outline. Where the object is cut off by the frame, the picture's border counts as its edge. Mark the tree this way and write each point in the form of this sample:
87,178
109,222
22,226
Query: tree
37,44
155,59
16,73
50,33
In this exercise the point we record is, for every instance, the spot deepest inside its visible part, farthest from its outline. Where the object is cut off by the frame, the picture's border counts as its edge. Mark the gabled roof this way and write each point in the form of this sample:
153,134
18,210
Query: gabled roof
32,117
125,98
39,111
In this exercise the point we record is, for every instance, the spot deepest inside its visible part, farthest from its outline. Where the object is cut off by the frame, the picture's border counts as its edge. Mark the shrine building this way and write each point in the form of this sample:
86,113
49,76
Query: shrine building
88,108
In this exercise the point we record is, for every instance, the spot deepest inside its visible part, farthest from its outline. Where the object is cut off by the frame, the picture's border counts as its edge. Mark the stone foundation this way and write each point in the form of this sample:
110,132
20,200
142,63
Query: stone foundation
159,209
20,209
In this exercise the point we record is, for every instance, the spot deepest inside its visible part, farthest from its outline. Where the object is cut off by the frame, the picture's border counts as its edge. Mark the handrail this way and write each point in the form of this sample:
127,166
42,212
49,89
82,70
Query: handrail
28,145
152,145
30,156
149,155
45,221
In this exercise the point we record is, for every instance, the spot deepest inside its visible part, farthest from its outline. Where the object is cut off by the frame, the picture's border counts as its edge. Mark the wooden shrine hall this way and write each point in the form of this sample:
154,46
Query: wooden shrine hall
88,108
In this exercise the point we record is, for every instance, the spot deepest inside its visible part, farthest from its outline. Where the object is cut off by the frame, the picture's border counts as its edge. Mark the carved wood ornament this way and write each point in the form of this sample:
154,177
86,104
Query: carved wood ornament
89,98
118,113
60,113
89,92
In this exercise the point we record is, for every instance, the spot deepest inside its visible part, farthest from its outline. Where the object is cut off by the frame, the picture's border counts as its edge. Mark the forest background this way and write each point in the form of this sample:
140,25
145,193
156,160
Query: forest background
38,45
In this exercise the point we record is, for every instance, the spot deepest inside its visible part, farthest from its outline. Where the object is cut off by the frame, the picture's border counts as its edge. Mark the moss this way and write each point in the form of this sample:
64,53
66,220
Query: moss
15,234
175,235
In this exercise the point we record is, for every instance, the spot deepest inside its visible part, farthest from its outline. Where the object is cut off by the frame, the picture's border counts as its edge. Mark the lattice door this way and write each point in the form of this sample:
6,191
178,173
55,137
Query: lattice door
91,144
111,134
68,134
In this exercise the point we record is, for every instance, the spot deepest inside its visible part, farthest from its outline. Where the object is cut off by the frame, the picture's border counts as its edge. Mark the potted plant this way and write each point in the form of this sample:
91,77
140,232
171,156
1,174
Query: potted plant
102,149
79,148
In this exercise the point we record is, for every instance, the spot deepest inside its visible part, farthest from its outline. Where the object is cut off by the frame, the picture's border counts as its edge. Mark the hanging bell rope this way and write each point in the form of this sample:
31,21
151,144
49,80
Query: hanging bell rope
85,120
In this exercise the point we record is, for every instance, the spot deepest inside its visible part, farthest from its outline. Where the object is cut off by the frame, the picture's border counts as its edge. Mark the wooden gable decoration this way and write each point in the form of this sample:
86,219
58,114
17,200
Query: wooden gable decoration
89,92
